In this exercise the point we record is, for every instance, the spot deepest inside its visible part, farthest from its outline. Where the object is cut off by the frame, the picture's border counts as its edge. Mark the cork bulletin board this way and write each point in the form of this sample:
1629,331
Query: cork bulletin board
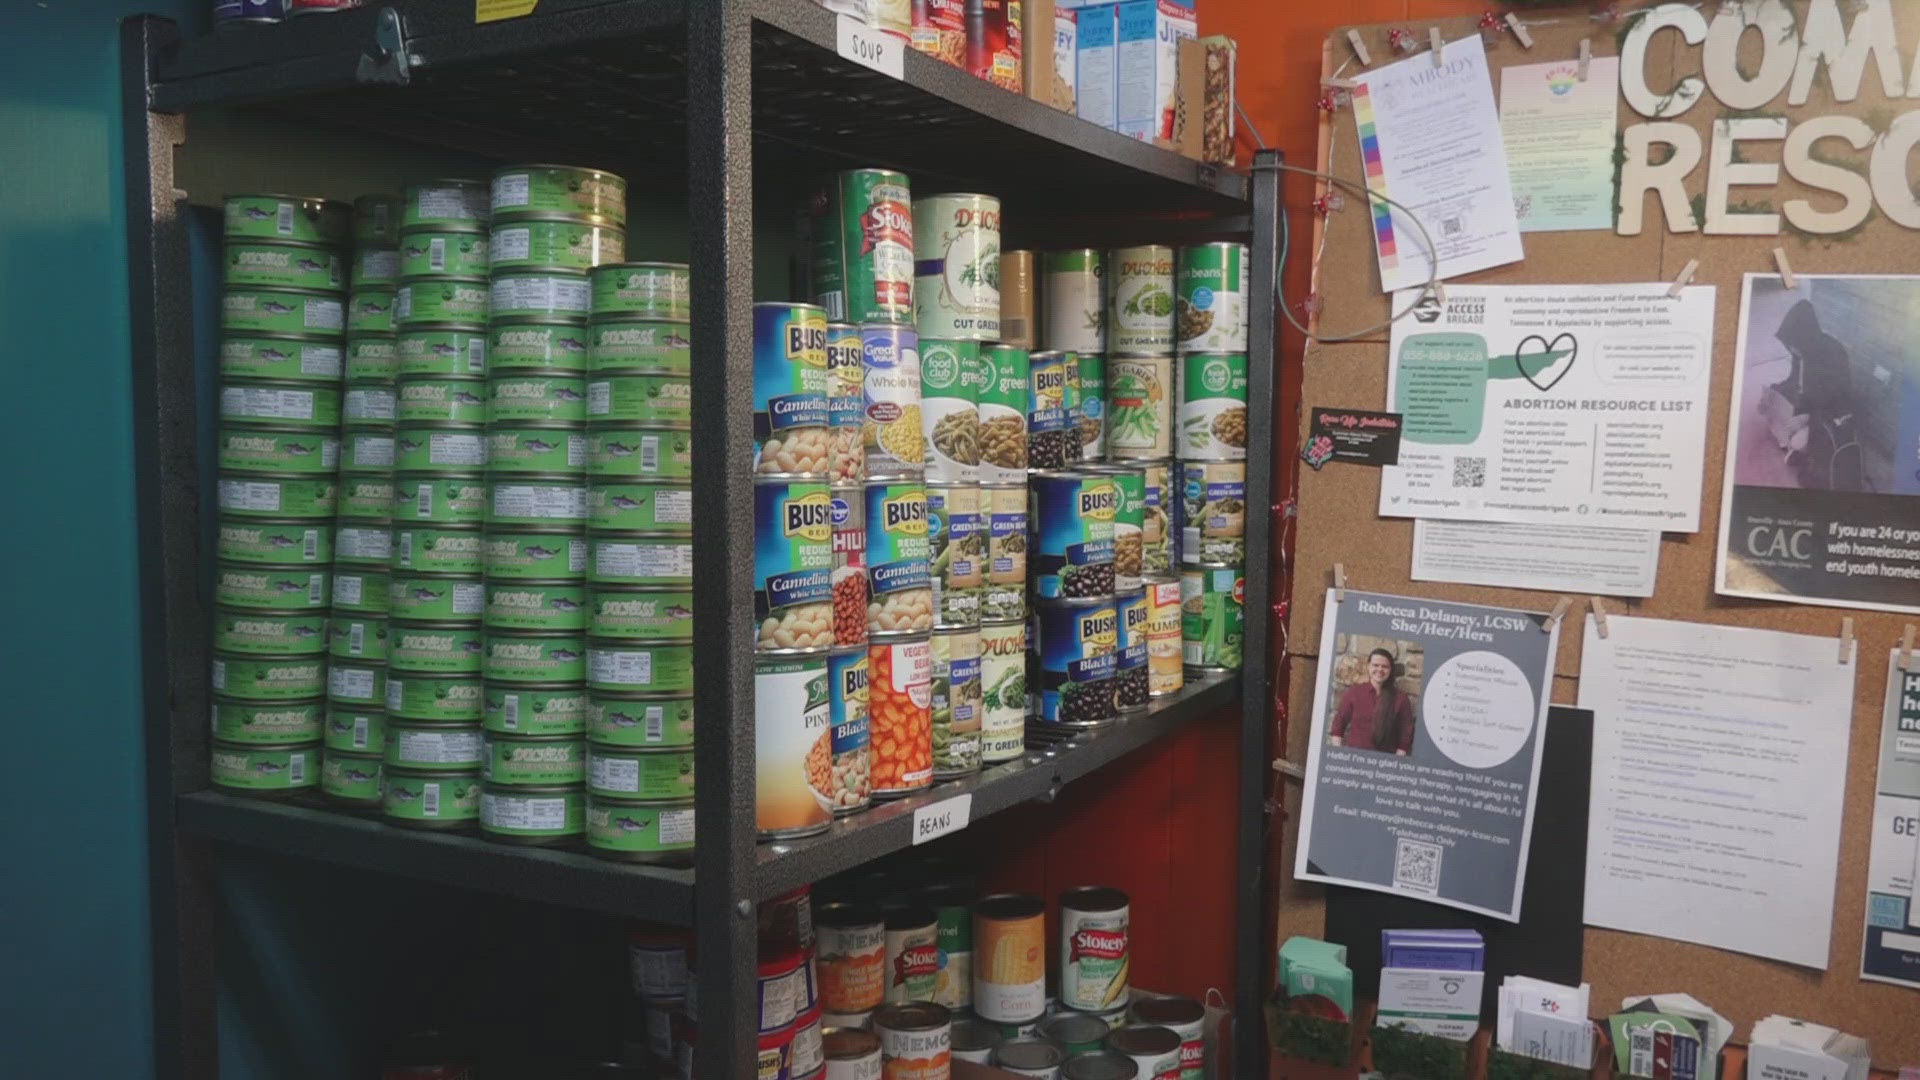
1337,505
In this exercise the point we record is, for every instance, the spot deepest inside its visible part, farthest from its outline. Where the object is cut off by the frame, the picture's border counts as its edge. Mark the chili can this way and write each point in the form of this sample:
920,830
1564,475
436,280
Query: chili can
790,413
851,788
1131,679
1212,621
1073,527
955,703
939,29
957,549
1003,510
1165,672
1010,958
899,691
1073,292
913,954
794,741
1140,291
1092,419
1210,298
1078,642
793,565
1212,390
899,586
863,247
849,566
534,710
851,949
846,405
1094,948
1005,374
1212,512
956,257
1003,691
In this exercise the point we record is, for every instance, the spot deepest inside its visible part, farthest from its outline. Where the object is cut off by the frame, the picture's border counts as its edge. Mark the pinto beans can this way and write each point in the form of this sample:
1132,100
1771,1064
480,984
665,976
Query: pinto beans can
793,565
900,721
957,547
851,787
863,247
1003,691
956,255
1079,642
794,745
1073,525
954,703
899,588
1005,373
790,413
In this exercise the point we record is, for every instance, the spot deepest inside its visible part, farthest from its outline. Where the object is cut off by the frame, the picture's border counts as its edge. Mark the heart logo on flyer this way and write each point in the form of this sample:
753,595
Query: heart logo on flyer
1536,362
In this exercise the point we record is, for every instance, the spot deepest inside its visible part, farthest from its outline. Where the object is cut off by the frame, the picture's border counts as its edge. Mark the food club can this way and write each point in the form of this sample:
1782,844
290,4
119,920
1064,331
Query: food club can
790,416
951,378
634,832
849,703
793,565
441,252
617,344
1154,1051
280,359
913,954
1010,958
534,816
301,219
1073,294
642,290
863,249
954,703
1213,512
1210,298
899,585
1139,407
1077,646
1131,679
1213,406
265,770
1165,672
1073,527
846,405
890,430
427,800
849,566
1003,696
794,745
535,710
1184,1017
1092,418
1140,310
565,191
1005,374
1053,434
851,950
1003,524
1212,620
1016,299
619,719
1094,948
915,1040
555,243
899,721
957,549
956,253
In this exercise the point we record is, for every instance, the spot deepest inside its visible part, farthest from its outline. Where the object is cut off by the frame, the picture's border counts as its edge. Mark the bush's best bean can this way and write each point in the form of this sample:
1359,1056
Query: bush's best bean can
286,312
851,787
635,832
642,290
1213,512
1129,521
273,543
376,266
1093,407
951,378
863,250
793,565
956,254
350,779
957,548
1004,376
372,358
245,450
899,693
532,815
915,1040
1130,676
269,588
621,772
851,949
636,452
849,566
441,350
545,607
1010,958
1210,298
272,633
1140,313
439,301
280,404
279,359
1073,292
1073,515
640,560
639,345
265,770
417,799
438,699
1165,673
424,448
534,710
418,399
545,761
846,401
622,667
286,723
1053,404
1095,925
1212,621
913,954
890,401
635,720
1003,513
1184,1017
536,397
566,191
287,217
1003,686
535,448
356,730
899,592
640,614
790,414
955,704
440,551
553,243
443,252
1079,642
794,741
442,500
1213,407
279,265
1139,407
445,202
538,294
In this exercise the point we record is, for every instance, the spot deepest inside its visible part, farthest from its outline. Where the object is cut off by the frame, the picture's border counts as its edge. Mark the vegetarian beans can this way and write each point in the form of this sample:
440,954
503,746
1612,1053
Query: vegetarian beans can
639,345
1078,646
916,1040
658,614
1131,679
259,587
1005,373
443,252
247,356
913,954
429,448
439,500
566,191
642,290
1010,958
272,543
1073,525
558,761
439,301
1212,617
282,265
1213,512
899,586
849,566
372,358
863,251
1003,512
441,351
1140,407
298,218
1053,440
437,699
794,741
280,404
625,772
1165,671
620,667
954,703
1213,406
1073,294
1210,298
241,495
635,720
445,202
1016,299
537,397
438,551
900,723
1092,418
634,832
846,405
1140,311
535,448
418,399
957,548
1184,1017
956,255
951,377
265,770
357,730
538,294
1129,521
535,658
429,800
793,565
435,748
890,426
851,950
637,452
282,312
848,702
531,710
270,722
790,413
1003,685
553,243
350,779
1094,952
640,560
521,815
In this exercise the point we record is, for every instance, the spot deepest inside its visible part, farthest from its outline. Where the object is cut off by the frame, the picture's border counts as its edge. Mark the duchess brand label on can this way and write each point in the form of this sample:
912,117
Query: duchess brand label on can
564,245
1010,958
278,451
1053,440
900,691
640,668
448,350
281,311
286,723
955,703
890,401
645,290
625,721
1003,691
1005,373
1130,678
1004,512
535,710
438,551
279,358
626,451
900,595
851,786
1140,318
863,247
630,831
270,633
1210,298
1213,511
790,415
794,741
665,561
425,450
513,605
264,768
445,500
430,300
436,650
793,565
1212,627
1073,288
542,294
1165,673
622,345
956,252
641,615
273,403
951,377
1140,407
443,253
849,566
1213,406
846,401
1092,421
540,398
260,587
558,189
1078,643
284,265
957,548
275,543
851,948
444,699
1073,528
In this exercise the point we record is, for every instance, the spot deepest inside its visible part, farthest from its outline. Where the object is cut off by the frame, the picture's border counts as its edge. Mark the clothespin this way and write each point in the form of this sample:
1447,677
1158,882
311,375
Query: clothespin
1339,583
1586,57
1338,83
1288,768
1519,30
1433,39
1786,269
1439,291
1330,202
1906,649
1559,612
1685,278
1846,639
1359,48
1400,39
1599,616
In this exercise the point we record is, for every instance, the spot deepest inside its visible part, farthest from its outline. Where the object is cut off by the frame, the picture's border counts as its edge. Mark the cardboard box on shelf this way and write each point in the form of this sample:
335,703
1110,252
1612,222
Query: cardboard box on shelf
1048,59
1147,50
1096,74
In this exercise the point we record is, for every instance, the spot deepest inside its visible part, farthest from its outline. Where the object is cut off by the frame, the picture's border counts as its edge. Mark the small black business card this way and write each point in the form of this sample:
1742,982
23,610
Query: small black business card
1353,436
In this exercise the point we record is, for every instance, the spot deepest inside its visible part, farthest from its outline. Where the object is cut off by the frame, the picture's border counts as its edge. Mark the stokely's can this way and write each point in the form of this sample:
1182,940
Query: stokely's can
955,703
794,740
915,1040
258,587
536,397
535,658
520,815
890,401
435,699
372,358
272,543
1213,512
566,191
630,614
529,448
1092,420
1139,407
439,400
429,800
956,257
246,356
1212,620
851,949
443,252
278,264
435,749
1094,948
793,565
1003,522
553,244
790,414
640,560
1210,298
852,1054
432,597
350,779
634,398
264,770
646,775
953,934
298,218
512,709
1003,697
376,266
638,452
542,607
1078,654
1213,406
368,592
437,551
436,301
637,833
863,247
1005,373
535,500
913,954
1010,958
848,699
1165,671
1159,536
974,1039
281,311
286,723
356,730
639,345
899,585
441,351
451,649
957,550
431,448
278,404
846,453
899,692
555,761
369,450
1184,1017
538,294
849,566
642,290
445,202
242,495
1155,1051
1073,532
663,669
1016,297
1129,521
636,720
1073,288
1053,403
1140,311
951,377
441,500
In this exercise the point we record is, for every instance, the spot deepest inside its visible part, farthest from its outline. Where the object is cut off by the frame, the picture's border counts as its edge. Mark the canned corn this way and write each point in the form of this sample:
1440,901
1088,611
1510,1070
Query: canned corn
955,703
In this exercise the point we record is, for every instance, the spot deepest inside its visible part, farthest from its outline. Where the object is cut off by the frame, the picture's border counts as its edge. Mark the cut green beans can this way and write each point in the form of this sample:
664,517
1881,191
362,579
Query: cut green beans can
1212,620
1140,407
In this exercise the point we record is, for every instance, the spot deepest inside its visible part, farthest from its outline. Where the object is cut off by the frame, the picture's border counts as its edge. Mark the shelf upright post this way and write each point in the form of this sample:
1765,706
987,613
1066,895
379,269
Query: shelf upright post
1251,930
720,211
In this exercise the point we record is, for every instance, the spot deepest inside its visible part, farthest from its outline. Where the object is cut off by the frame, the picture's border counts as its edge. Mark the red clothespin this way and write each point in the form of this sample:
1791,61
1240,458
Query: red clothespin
1310,305
1605,11
1489,23
1401,40
1332,202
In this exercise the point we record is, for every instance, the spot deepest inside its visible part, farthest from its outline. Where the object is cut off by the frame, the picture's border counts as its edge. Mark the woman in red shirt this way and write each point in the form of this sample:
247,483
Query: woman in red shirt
1374,715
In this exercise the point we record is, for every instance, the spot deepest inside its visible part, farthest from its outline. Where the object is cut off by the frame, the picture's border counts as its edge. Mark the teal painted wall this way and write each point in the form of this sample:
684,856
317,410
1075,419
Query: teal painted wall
74,934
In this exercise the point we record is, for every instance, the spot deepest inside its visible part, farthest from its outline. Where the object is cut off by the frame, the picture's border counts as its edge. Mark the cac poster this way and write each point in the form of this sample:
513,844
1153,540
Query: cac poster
1821,502
1892,950
1428,721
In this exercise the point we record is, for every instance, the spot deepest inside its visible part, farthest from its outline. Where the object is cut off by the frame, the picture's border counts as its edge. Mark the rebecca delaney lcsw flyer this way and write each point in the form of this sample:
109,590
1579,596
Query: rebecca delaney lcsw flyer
1428,721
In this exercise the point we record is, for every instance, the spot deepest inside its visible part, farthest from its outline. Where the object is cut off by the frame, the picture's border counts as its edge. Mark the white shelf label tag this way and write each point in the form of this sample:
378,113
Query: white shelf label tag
938,819
871,47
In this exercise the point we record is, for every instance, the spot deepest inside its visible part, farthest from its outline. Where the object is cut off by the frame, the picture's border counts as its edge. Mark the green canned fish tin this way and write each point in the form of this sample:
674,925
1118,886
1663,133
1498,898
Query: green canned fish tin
545,346
247,356
280,404
438,598
662,508
269,678
372,358
369,451
632,720
357,730
370,404
532,815
266,587
442,500
536,710
272,543
362,591
256,722
640,345
366,497
441,400
441,350
423,800
271,633
363,544
440,551
435,699
357,684
544,607
537,397
533,500
554,244
277,451
264,770
664,400
863,247
430,649
350,779
521,761
635,832
370,310
264,264
632,451
434,748
623,772
558,190
535,658
376,266
357,637
1212,617
1210,298
642,290
539,294
376,219
1213,407
640,614
427,448
532,555
287,217
640,560
639,667
440,300
532,448
445,202
442,252
281,311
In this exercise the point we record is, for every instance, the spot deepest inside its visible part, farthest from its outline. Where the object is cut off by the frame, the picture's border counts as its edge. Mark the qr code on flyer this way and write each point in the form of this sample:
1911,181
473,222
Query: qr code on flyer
1416,865
1469,472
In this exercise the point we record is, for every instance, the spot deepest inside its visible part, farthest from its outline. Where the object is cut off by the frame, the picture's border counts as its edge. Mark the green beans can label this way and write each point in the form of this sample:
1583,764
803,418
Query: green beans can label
957,703
370,311
640,615
642,290
534,556
641,561
372,404
356,590
1005,374
634,831
1003,691
532,815
536,710
640,345
539,762
525,502
863,247
1210,298
1212,620
513,657
359,730
1003,514
366,497
535,450
560,190
637,668
291,359
358,637
1157,528
1140,314
1213,407
271,633
899,583
350,777
646,775
264,587
413,797
278,678
793,565
442,350
549,243
664,508
537,397
957,547
538,295
369,451
281,404
440,300
634,721
956,256
624,451
952,376
286,217
546,607
436,749
639,399
445,202
372,357
281,311
444,500
253,722
356,684
1073,288
427,449
264,768
439,699
436,650
273,543
278,451
430,253
285,266
1213,512
438,599
1093,407
438,551
376,265
1140,407
1129,518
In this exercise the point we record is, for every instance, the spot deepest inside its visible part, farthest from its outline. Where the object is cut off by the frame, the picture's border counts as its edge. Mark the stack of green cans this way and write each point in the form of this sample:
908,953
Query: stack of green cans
1210,438
550,226
278,455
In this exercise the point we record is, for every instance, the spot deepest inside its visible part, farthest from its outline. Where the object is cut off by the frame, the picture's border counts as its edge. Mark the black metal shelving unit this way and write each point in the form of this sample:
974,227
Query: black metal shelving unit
723,103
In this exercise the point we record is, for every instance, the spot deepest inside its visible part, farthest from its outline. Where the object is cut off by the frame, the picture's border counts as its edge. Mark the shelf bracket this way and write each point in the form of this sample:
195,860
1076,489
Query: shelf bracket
389,62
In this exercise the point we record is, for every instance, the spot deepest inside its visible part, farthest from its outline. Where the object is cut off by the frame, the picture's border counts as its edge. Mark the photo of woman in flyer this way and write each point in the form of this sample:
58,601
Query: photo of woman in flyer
1374,713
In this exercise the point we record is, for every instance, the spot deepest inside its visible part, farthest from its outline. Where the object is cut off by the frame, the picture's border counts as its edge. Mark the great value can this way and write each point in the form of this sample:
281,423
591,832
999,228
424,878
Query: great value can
357,730
1005,373
441,351
955,703
557,761
1053,404
1130,676
1092,417
532,815
890,402
636,452
429,448
1184,1017
1154,1051
241,495
443,252
1158,528
1003,697
1016,294
863,251
542,607
553,243
439,301
640,614
1073,294
532,500
427,800
303,219
438,551
640,560
437,699
1073,515
1010,958
445,202
1078,646
566,191
281,311
646,775
1212,620
1165,672
637,833
639,345
1213,512
851,950
1210,298
278,404
851,786
247,356
350,779
1003,512
270,722
899,586
372,357
1213,406
899,689
663,669
1129,521
511,709
435,650
957,549
793,735
535,448
538,294
913,954
636,720
1139,407
264,770
790,415
1140,312
793,565
846,413
951,377
273,543
536,397
441,500
956,255
283,265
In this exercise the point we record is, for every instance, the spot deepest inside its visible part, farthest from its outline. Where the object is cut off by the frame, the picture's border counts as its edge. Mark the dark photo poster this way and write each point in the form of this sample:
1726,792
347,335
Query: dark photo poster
1428,720
1821,503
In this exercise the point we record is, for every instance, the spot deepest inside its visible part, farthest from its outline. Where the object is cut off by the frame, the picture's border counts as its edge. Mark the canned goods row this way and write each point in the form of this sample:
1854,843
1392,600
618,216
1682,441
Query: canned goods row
609,719
1145,300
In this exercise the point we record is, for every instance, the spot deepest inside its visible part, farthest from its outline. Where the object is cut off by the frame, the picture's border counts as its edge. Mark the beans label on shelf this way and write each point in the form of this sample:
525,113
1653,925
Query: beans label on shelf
934,820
